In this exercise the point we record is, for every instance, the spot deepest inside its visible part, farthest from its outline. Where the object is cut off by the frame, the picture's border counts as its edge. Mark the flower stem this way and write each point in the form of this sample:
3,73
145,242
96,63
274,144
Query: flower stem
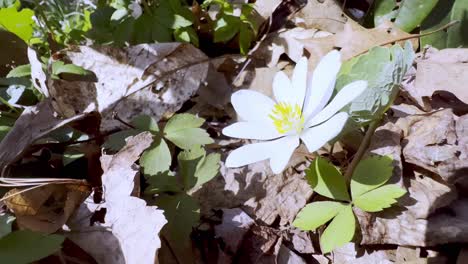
362,149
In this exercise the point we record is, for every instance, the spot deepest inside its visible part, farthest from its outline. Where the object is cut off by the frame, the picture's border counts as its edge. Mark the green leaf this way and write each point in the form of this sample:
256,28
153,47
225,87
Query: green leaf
383,69
19,23
207,169
383,10
183,130
26,246
119,14
186,34
59,67
442,14
245,38
379,199
326,180
340,231
316,214
371,173
20,71
5,224
182,121
188,163
195,168
71,154
145,123
408,14
412,13
226,28
183,214
116,141
163,182
172,15
190,137
8,3
156,159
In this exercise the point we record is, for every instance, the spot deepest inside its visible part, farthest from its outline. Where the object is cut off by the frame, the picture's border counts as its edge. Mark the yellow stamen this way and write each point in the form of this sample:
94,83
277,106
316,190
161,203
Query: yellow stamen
287,117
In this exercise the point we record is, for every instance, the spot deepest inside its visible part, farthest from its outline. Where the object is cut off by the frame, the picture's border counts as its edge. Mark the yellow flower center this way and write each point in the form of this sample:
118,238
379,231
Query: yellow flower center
287,117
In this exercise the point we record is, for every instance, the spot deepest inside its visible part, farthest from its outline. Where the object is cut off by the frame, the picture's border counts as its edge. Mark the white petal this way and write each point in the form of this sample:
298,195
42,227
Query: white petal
250,130
282,87
299,81
320,86
292,91
344,97
252,153
283,152
315,137
252,106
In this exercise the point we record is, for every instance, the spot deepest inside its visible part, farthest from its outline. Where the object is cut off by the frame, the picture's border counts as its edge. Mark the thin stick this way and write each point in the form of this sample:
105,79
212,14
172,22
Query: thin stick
22,191
412,36
362,149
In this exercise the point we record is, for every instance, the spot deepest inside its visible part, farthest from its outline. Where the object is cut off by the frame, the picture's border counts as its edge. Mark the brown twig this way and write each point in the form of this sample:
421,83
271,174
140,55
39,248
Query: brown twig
362,150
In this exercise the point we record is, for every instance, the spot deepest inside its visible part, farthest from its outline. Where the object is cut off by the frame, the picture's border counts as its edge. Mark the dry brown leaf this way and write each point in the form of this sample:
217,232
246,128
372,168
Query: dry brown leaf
443,70
262,194
266,7
325,15
287,256
46,209
355,254
410,223
235,225
261,245
130,232
301,241
355,39
151,79
433,143
34,123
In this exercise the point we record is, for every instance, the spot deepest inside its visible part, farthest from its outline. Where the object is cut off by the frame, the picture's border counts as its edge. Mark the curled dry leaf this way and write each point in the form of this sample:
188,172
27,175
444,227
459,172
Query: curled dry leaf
34,123
151,79
130,232
261,194
46,209
443,70
435,144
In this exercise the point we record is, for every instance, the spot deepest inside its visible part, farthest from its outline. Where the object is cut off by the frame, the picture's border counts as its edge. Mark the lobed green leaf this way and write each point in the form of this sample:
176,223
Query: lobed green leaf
340,231
326,180
371,173
316,214
379,199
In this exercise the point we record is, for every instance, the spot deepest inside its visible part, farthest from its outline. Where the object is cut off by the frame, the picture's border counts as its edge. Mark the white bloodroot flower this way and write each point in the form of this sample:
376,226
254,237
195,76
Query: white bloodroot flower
136,9
299,111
